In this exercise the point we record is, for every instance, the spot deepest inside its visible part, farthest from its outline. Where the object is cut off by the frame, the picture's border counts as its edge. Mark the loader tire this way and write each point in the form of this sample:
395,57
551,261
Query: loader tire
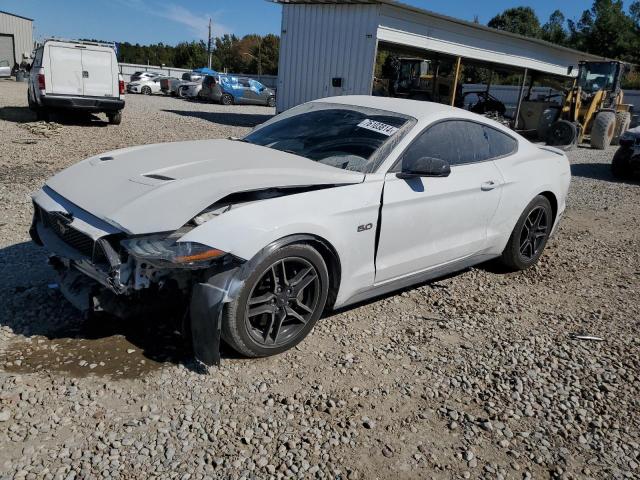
603,130
623,121
562,134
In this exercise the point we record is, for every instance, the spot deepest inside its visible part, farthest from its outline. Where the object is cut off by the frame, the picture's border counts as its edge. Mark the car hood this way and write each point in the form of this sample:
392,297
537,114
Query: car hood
158,188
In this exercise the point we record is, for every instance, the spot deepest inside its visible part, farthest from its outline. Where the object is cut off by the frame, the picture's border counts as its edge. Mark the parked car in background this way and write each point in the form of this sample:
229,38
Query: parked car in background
146,86
190,89
228,90
325,205
76,75
5,68
144,76
171,86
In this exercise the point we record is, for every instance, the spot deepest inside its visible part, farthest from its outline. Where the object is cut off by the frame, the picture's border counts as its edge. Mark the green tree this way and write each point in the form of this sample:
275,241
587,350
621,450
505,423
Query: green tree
553,31
521,20
606,30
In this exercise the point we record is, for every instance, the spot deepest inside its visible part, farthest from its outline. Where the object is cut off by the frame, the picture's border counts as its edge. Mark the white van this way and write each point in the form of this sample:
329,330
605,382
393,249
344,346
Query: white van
76,75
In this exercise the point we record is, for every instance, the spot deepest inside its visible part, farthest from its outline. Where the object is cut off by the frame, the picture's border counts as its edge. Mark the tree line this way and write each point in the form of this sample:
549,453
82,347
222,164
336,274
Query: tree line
606,29
250,54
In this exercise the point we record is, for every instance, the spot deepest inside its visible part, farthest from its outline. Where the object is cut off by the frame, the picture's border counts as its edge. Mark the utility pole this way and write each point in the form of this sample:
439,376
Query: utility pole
209,45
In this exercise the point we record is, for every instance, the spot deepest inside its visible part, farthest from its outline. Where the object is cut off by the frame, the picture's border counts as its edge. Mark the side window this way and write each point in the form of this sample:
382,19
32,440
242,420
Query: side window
456,141
244,82
500,144
37,61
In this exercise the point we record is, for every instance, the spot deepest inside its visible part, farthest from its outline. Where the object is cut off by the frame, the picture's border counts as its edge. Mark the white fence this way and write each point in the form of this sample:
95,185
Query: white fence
128,69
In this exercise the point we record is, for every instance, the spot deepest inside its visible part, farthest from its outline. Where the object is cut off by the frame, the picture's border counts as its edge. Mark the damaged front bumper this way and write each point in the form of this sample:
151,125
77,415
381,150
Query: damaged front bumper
95,276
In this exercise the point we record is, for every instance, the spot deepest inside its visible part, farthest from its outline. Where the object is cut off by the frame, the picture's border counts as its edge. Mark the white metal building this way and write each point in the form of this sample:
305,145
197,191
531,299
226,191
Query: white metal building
16,37
329,47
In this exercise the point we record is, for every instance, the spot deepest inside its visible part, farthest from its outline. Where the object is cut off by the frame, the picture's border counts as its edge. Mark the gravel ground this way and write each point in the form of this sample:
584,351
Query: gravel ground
472,376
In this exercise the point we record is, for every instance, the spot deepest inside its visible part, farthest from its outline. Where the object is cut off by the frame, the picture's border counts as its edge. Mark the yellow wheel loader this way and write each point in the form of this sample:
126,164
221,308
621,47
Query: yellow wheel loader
593,107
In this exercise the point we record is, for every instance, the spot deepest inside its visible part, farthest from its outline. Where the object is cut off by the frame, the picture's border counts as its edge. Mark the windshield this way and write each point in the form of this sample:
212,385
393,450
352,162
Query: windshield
342,136
597,76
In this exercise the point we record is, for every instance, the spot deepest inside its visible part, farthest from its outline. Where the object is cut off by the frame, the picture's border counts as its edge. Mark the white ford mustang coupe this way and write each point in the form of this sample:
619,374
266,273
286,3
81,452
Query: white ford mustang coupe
327,204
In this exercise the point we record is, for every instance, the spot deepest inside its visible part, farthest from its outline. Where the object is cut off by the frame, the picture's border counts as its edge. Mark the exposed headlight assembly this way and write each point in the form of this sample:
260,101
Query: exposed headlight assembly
165,252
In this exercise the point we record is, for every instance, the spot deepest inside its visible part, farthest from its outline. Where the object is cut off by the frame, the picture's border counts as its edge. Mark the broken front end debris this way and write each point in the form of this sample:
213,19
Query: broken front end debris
101,269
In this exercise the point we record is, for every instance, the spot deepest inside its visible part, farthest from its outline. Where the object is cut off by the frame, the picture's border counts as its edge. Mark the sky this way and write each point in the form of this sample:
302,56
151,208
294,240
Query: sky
172,21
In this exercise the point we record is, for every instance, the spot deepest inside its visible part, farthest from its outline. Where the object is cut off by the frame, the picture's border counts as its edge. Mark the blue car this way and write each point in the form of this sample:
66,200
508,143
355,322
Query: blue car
229,90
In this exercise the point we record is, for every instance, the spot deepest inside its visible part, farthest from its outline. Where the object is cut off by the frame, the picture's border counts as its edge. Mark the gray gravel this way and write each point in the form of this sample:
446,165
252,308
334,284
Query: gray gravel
473,376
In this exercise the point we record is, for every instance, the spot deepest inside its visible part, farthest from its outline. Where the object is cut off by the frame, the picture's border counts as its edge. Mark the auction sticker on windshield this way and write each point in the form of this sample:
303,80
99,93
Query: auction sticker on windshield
379,127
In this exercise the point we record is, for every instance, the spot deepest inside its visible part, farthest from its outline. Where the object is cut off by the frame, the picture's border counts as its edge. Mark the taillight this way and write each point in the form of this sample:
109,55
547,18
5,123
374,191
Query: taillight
41,84
121,85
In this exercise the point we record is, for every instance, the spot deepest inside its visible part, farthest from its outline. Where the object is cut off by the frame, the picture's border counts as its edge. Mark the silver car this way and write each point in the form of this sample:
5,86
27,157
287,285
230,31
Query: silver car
5,68
228,90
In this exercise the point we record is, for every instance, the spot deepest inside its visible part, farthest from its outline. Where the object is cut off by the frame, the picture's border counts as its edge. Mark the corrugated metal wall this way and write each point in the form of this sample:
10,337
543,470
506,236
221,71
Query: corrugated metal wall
321,42
398,25
22,31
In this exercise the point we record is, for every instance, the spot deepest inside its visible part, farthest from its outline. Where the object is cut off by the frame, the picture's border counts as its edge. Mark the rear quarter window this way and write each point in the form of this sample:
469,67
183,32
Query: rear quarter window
500,144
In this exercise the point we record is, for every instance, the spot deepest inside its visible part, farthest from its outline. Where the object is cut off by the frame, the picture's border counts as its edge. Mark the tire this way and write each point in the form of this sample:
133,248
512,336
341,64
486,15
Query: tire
115,118
518,256
621,163
146,90
623,121
226,99
562,134
271,102
258,335
603,130
180,92
42,114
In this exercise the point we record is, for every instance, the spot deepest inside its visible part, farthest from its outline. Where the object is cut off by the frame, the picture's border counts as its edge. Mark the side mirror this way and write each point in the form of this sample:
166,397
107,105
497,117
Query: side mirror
425,167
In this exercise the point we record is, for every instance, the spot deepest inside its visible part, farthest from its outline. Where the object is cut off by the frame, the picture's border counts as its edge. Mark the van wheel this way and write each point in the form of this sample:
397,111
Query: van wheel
115,118
42,114
226,99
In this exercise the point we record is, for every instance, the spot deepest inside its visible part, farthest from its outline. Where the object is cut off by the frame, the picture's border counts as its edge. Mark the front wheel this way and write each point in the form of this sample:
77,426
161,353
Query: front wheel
146,90
279,303
621,164
530,235
226,99
271,102
115,118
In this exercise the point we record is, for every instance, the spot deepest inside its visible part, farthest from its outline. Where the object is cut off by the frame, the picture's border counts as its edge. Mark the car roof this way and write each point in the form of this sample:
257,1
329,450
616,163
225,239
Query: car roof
414,108
418,109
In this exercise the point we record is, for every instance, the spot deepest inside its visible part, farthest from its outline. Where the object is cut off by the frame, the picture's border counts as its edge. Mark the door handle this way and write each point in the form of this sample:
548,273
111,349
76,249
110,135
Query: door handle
490,185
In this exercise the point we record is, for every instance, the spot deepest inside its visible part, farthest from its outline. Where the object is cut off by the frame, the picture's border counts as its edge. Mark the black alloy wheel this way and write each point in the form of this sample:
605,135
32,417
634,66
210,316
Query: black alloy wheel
279,302
529,236
282,301
534,233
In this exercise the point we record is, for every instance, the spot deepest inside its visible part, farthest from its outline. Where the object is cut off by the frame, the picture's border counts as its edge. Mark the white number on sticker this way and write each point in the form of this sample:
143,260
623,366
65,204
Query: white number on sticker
379,127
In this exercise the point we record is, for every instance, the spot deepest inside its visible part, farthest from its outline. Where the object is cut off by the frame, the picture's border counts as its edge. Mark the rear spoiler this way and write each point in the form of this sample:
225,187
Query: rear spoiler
557,151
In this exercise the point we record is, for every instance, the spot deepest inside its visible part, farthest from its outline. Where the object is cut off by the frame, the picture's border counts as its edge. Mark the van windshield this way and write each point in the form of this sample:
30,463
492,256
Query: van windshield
342,136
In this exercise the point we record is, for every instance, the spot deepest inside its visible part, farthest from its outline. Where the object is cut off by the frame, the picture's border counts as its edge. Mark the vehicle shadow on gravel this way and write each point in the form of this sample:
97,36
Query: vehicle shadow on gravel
230,119
58,339
599,171
25,115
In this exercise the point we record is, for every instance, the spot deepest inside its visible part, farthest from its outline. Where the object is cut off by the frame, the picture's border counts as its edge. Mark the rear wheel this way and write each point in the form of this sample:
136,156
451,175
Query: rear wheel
621,164
226,99
42,114
623,122
146,90
115,118
279,303
530,235
562,134
603,130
